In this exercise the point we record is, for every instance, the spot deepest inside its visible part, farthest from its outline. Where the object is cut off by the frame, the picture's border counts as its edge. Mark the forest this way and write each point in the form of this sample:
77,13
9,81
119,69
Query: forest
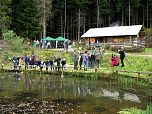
36,19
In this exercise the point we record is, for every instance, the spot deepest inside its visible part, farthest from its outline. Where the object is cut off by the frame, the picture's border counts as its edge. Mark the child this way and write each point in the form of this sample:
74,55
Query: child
63,63
114,60
51,64
27,61
46,64
15,62
57,61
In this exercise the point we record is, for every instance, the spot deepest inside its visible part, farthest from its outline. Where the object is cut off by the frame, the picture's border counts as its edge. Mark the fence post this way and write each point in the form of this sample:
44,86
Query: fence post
96,69
2,67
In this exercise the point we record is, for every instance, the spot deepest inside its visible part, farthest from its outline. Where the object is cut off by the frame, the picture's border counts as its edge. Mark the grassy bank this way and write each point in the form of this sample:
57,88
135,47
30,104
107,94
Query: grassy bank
133,61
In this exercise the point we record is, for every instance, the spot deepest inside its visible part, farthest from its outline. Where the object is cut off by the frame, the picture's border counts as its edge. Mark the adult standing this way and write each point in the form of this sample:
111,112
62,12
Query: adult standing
33,59
80,60
27,61
85,60
75,58
98,58
122,55
92,59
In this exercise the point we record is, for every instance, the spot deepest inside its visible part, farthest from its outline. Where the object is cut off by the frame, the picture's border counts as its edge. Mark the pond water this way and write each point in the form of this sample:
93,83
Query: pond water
48,94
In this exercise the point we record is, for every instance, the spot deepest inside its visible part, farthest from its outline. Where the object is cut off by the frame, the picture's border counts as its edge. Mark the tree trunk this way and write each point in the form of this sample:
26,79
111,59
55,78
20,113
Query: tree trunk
143,16
147,16
84,25
64,18
129,12
71,34
61,25
44,20
134,17
98,13
122,19
150,20
109,20
79,23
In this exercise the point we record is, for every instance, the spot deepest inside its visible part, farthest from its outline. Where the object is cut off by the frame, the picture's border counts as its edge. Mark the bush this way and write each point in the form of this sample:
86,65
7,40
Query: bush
107,46
14,41
148,33
127,48
7,55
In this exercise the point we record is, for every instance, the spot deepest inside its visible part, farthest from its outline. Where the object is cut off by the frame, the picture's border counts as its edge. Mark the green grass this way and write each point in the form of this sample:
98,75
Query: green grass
133,61
148,50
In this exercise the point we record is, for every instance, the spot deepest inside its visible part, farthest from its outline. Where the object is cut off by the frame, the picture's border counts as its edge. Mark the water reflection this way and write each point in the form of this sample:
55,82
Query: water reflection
95,93
16,79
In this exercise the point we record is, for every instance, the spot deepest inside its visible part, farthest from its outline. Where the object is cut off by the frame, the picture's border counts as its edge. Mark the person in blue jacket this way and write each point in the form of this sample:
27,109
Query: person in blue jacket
27,61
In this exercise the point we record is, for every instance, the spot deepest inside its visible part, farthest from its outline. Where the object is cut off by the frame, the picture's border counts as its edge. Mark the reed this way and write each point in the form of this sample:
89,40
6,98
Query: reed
130,82
136,110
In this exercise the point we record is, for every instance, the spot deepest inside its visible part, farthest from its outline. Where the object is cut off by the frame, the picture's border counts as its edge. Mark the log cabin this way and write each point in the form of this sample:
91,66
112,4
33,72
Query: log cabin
132,36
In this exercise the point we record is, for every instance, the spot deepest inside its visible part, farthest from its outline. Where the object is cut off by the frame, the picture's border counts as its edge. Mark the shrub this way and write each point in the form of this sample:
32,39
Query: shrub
14,41
127,48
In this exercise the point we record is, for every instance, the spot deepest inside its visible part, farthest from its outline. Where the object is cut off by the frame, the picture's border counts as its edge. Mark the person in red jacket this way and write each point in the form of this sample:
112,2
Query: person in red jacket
114,60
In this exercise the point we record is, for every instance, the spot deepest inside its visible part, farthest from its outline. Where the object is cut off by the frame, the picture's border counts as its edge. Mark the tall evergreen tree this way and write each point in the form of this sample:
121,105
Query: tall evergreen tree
5,17
44,8
26,21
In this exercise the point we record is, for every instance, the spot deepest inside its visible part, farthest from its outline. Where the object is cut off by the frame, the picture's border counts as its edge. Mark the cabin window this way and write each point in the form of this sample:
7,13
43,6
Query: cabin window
118,40
91,40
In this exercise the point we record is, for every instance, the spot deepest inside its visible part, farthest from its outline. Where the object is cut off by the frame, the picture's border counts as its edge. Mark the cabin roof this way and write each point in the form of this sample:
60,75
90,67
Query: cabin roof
113,31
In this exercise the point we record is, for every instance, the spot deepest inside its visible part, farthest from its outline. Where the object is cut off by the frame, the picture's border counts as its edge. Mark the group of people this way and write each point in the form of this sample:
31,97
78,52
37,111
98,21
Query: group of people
92,58
54,64
88,58
52,44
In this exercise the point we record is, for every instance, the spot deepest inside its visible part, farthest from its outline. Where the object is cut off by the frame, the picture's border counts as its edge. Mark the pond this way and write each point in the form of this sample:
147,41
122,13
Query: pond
49,94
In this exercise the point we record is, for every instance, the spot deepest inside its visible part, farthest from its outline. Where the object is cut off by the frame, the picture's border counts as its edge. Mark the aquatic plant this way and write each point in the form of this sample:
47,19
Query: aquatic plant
130,82
136,110
131,111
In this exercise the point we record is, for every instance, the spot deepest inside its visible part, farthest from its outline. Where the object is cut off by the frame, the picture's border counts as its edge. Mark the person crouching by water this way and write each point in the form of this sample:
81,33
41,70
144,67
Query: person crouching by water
122,55
114,60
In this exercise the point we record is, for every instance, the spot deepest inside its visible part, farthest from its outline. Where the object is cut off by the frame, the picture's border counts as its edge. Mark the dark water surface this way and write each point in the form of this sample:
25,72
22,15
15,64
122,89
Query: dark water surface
46,94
